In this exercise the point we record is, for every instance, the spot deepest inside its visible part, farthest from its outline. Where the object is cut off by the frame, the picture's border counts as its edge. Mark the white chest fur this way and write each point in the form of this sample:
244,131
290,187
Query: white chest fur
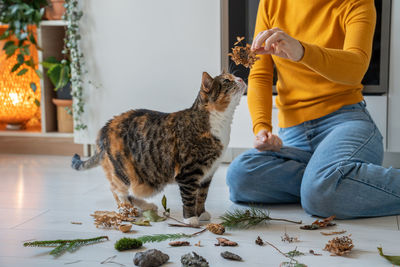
220,123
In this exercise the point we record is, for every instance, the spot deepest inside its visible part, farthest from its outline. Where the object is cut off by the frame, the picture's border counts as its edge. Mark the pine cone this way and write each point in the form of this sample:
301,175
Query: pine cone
216,228
339,246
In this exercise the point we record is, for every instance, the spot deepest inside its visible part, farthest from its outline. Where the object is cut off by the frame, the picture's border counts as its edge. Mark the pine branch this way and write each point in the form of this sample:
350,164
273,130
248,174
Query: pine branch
163,237
239,218
65,245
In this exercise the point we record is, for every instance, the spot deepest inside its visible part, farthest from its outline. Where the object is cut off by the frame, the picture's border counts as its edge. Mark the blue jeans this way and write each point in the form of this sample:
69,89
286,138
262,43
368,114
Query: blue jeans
332,165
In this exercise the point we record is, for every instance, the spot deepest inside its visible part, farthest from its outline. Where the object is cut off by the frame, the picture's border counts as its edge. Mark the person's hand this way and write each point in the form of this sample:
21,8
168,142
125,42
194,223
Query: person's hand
277,42
265,140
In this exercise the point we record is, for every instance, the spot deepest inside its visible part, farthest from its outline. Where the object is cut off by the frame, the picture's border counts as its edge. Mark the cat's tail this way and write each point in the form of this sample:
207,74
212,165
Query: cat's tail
93,161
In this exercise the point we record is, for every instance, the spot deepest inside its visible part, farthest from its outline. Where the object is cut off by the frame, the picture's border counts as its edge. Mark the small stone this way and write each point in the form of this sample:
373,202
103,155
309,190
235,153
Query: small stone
195,260
150,258
230,256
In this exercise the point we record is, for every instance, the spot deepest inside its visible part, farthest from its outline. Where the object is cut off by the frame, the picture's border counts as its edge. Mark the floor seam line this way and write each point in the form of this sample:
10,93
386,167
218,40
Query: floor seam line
40,214
398,225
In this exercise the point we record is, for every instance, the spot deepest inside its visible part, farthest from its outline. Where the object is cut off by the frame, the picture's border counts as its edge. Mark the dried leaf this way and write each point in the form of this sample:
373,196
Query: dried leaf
76,223
225,242
152,216
239,39
198,244
179,243
334,233
319,224
142,222
393,259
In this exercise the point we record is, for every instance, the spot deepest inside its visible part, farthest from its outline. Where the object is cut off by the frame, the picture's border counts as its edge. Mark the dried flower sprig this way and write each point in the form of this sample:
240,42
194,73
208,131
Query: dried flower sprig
243,54
239,218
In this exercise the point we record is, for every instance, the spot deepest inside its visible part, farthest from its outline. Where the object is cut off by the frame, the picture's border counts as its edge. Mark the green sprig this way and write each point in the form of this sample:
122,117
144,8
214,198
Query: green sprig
240,218
162,237
63,246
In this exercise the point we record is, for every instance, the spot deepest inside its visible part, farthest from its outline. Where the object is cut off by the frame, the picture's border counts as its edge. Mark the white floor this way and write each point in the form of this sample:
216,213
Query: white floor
41,195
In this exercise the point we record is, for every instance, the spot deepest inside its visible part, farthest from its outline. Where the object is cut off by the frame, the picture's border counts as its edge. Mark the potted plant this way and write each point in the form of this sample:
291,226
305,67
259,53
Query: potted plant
59,73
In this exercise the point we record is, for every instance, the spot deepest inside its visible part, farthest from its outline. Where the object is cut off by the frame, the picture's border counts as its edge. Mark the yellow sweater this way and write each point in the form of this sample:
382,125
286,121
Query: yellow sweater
337,39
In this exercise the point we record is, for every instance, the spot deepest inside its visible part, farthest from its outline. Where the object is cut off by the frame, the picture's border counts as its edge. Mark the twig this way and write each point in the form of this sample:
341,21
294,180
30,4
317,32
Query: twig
109,260
73,262
272,245
199,232
79,223
183,225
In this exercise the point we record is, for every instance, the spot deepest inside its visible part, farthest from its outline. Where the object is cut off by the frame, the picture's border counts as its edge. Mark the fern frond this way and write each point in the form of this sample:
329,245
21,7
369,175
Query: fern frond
161,237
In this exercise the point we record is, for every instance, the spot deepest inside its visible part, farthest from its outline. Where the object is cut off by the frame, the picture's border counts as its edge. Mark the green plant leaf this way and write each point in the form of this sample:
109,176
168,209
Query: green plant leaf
64,77
37,102
32,39
152,216
20,59
22,72
7,44
164,202
54,74
10,50
393,259
33,86
39,73
15,67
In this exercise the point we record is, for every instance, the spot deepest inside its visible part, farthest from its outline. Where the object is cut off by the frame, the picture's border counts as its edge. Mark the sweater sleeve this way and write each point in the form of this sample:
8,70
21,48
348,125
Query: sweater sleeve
259,93
347,65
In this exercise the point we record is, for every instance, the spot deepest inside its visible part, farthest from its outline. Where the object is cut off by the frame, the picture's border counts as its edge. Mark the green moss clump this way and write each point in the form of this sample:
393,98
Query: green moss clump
127,243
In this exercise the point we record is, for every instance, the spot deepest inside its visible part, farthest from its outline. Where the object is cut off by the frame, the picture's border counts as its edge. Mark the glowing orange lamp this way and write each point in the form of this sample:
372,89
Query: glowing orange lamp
17,99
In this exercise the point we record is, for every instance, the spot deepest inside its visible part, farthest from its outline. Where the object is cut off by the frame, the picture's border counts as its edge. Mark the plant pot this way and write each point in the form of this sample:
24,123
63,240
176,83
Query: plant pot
55,10
65,122
65,92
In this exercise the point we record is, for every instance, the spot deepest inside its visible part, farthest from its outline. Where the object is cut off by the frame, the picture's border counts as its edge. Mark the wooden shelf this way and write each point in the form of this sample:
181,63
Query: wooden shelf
53,23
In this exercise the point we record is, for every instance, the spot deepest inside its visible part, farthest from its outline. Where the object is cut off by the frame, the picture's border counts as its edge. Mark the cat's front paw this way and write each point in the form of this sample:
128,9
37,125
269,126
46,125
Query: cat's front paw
149,206
205,216
194,221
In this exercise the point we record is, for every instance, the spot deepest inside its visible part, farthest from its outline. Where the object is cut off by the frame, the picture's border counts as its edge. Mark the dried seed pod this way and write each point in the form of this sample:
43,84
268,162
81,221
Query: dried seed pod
225,242
339,246
179,243
216,228
230,256
259,241
125,228
195,260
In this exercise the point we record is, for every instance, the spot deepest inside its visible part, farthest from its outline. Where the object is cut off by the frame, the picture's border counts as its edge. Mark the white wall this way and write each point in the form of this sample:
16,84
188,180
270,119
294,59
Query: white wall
146,54
394,81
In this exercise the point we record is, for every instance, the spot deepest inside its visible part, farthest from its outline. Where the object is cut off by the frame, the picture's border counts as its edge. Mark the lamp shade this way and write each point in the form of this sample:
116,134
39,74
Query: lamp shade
17,99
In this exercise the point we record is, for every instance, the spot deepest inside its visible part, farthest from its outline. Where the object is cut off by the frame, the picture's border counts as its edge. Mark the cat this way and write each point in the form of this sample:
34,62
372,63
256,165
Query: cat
144,150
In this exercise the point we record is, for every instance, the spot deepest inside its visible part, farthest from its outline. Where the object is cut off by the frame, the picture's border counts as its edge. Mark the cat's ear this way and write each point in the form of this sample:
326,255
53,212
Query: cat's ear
206,82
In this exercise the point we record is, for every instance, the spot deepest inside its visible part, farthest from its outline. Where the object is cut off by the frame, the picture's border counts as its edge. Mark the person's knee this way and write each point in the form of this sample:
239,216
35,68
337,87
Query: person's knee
320,197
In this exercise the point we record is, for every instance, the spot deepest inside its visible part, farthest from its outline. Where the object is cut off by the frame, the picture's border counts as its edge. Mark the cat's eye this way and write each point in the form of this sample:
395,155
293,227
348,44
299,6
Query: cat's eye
227,81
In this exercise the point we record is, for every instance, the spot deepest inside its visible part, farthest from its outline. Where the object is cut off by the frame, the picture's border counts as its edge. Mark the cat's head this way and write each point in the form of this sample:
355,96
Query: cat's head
220,92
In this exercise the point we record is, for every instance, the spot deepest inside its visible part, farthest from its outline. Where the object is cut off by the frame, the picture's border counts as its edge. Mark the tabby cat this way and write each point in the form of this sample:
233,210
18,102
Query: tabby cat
144,150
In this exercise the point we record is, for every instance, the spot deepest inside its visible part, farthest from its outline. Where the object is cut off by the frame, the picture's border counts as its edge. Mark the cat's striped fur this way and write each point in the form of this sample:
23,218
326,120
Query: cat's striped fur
143,150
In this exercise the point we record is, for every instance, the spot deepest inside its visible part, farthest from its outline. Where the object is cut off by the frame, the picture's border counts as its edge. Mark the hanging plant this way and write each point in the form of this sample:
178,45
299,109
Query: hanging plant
72,16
